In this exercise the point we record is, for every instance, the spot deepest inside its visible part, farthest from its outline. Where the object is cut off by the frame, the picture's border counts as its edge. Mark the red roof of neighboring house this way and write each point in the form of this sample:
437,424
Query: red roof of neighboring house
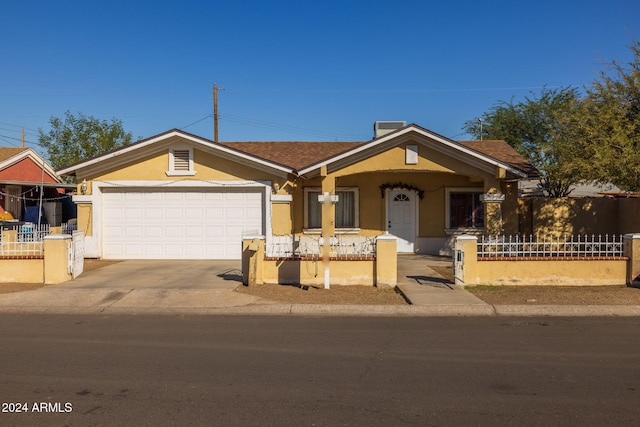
24,165
8,152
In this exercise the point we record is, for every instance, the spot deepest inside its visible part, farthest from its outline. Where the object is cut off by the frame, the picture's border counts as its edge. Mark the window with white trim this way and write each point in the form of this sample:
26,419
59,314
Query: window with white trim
347,209
464,208
181,161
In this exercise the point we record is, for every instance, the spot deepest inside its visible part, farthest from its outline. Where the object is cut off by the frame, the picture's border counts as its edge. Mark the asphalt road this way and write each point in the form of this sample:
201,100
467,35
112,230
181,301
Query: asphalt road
215,370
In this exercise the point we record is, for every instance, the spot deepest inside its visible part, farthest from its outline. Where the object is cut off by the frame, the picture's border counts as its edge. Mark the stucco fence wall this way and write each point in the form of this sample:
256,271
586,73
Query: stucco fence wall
571,216
50,267
379,270
471,270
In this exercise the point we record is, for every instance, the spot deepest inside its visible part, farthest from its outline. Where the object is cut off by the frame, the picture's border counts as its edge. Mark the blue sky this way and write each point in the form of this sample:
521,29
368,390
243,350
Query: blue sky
295,70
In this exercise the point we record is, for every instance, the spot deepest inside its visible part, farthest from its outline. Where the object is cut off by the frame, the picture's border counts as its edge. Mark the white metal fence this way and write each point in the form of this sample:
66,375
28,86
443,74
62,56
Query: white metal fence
28,239
548,246
76,253
311,246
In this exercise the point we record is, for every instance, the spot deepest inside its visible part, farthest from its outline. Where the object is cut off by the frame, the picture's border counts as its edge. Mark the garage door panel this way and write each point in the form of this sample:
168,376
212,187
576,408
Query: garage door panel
214,231
132,232
173,213
173,196
194,213
151,231
179,223
253,213
153,213
153,251
132,213
132,197
214,213
193,232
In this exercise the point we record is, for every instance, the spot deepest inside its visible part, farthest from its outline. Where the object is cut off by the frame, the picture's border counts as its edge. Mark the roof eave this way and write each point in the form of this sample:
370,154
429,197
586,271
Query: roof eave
424,132
70,170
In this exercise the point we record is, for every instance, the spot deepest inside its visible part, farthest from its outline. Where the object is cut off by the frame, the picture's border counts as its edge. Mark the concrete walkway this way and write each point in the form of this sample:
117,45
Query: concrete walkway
422,285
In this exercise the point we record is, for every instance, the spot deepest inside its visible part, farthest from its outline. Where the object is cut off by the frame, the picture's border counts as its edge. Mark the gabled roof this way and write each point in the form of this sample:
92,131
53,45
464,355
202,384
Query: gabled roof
11,155
203,143
301,157
503,152
498,154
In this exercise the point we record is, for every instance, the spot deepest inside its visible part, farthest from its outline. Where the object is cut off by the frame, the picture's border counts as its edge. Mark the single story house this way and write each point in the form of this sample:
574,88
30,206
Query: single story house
177,195
26,181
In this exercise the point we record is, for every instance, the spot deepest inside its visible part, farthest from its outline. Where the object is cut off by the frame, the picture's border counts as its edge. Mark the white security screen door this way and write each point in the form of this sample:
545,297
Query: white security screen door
401,218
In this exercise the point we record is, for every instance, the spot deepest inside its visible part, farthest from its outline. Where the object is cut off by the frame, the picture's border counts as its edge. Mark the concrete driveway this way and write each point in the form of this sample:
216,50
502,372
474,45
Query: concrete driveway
162,274
139,286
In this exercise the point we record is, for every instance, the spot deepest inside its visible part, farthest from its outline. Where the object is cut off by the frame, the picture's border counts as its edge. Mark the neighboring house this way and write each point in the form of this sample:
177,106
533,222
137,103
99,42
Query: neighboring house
177,195
23,174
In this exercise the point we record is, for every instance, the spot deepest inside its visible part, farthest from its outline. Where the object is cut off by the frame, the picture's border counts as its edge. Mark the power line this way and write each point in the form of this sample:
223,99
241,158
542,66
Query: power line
18,126
20,140
197,121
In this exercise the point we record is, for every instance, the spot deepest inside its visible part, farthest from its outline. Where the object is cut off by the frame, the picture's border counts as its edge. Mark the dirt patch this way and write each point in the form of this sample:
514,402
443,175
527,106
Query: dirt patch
557,295
350,295
550,295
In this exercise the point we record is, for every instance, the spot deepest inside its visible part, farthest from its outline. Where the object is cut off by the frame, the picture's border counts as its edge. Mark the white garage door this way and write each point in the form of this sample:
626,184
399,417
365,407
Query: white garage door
178,223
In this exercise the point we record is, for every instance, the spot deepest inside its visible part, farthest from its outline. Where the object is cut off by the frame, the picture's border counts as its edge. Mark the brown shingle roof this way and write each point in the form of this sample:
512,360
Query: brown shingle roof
299,155
294,154
7,152
502,152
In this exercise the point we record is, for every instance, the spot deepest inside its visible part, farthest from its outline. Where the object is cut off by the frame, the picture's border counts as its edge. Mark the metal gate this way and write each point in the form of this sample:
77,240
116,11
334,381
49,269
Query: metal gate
76,253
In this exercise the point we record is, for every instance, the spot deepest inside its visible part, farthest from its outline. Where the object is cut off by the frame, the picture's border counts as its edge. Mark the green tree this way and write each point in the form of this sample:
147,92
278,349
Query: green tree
536,128
608,125
78,137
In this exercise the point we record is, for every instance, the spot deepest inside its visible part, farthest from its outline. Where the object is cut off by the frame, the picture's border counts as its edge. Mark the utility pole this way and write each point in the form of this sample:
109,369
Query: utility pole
22,137
215,112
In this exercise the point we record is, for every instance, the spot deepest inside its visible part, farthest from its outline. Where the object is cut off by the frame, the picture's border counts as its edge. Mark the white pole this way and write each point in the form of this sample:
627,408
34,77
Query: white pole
41,191
326,245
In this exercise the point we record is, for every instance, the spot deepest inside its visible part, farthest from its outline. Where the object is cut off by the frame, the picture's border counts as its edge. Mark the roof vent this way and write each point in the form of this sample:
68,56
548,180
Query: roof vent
384,127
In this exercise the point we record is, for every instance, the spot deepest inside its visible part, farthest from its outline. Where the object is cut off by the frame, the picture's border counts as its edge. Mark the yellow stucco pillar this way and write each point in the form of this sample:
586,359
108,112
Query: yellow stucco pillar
252,260
9,236
492,199
56,258
465,260
386,261
632,251
510,208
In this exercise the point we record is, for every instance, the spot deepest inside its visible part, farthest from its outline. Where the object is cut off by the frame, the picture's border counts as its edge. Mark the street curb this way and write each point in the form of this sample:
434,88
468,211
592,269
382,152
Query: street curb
322,310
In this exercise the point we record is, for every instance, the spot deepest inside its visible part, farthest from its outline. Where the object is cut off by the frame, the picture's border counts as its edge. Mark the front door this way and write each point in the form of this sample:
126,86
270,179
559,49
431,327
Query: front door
401,218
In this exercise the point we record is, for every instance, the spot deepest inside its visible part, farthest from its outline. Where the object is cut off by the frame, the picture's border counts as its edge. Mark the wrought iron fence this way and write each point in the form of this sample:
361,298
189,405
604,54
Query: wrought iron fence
549,246
28,238
311,246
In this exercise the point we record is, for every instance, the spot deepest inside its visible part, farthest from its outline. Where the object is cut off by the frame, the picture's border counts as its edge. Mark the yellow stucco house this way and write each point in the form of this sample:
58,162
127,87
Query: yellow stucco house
177,195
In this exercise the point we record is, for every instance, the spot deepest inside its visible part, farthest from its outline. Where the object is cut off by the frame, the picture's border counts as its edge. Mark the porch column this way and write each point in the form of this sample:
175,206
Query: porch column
492,199
328,221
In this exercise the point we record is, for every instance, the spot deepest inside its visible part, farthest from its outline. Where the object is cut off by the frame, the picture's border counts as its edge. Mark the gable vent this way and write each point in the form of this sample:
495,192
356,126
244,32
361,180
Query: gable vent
181,160
384,127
